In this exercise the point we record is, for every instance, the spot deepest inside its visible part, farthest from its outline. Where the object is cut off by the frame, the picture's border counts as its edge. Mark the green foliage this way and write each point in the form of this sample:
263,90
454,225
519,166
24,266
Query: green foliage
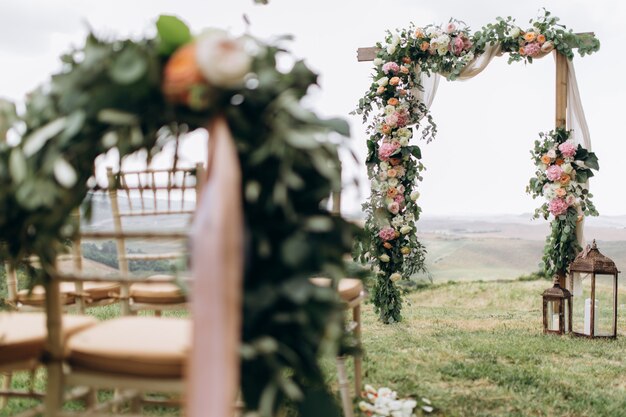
108,95
106,254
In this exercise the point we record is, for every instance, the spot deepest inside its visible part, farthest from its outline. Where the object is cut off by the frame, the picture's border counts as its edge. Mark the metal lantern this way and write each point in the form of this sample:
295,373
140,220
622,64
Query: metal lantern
593,279
557,309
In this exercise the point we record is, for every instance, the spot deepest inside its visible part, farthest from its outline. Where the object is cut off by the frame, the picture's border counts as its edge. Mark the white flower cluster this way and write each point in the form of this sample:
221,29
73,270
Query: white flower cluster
393,44
385,403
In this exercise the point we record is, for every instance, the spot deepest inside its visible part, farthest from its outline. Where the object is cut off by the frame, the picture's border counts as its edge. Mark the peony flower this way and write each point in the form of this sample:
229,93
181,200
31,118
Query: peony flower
554,173
394,81
406,229
387,149
402,117
532,49
181,72
546,159
392,120
442,50
393,101
384,258
387,233
568,149
391,67
457,46
395,277
382,82
557,207
223,61
529,36
547,47
393,208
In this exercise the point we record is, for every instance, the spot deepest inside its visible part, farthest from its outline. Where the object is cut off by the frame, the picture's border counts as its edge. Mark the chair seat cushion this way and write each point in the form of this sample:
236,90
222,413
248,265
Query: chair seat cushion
139,346
23,335
157,292
94,290
349,288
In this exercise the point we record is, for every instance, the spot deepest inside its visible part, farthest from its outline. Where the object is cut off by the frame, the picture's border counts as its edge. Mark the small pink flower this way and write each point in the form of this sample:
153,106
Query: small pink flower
451,27
403,117
554,173
387,149
570,200
388,233
391,67
558,206
393,208
457,45
467,43
532,49
568,149
392,120
399,198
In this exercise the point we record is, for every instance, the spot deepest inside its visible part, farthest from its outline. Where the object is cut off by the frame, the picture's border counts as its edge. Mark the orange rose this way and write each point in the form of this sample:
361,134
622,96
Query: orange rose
386,129
521,50
394,81
380,90
406,60
560,192
387,245
392,192
424,46
529,36
402,92
392,173
559,161
181,72
419,33
541,38
404,70
565,179
546,159
395,161
393,101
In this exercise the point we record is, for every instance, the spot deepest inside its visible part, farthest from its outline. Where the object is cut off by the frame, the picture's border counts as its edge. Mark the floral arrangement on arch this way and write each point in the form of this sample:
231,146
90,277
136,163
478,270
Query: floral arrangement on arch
383,402
393,110
563,171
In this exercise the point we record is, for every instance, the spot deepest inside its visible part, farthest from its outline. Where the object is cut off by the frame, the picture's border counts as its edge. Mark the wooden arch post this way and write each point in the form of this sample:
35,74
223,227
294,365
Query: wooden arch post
561,112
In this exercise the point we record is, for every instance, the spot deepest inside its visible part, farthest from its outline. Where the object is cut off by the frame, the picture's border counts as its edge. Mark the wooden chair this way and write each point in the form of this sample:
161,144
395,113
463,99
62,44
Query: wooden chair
154,189
131,354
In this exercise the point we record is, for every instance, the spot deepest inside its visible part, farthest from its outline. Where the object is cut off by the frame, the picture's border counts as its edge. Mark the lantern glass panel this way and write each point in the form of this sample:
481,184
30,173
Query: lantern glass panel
605,305
553,309
581,292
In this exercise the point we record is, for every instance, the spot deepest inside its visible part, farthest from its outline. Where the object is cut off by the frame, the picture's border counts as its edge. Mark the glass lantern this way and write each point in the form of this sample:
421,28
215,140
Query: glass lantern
593,279
557,310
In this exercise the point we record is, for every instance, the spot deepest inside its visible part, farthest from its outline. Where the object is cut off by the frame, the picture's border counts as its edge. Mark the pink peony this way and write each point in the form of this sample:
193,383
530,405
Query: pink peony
558,206
532,49
392,120
403,118
457,45
391,67
568,149
387,149
554,173
399,198
393,208
388,233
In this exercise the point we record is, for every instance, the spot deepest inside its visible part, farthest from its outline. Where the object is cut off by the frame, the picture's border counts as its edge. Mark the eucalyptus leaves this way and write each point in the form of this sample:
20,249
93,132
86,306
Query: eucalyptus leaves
392,106
563,172
110,95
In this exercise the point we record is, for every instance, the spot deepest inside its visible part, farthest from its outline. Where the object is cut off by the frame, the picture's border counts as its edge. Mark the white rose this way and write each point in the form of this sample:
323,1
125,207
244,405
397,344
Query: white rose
442,50
384,165
415,195
395,40
515,32
551,153
222,60
392,182
397,221
567,168
433,31
384,258
404,141
395,277
443,40
405,230
547,47
389,109
391,49
382,175
382,82
378,62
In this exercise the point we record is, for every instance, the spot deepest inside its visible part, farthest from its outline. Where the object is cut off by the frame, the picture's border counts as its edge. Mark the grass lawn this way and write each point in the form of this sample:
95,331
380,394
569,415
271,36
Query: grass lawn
477,349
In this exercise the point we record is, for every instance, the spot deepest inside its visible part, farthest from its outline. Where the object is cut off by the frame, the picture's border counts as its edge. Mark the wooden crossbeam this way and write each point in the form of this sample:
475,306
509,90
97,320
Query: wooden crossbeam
369,53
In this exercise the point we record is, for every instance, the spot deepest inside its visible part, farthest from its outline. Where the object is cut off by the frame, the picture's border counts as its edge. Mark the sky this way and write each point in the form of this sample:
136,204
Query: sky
480,161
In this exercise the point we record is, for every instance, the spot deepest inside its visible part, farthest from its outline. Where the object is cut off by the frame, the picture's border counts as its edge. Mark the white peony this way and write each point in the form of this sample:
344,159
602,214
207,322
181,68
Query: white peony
403,133
442,40
442,50
395,277
515,32
391,49
378,62
382,82
405,230
433,31
222,60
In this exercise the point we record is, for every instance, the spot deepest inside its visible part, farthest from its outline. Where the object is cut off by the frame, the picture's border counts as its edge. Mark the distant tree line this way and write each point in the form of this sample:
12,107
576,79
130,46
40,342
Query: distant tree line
106,254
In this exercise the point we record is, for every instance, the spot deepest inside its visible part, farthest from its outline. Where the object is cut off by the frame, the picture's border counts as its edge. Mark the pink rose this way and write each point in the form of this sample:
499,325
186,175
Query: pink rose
393,208
402,118
558,206
570,200
388,233
532,49
467,43
554,173
457,45
568,149
392,120
391,67
399,198
387,149
451,27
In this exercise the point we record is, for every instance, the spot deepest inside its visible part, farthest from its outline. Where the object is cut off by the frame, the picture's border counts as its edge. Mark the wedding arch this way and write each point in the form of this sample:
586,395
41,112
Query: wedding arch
407,69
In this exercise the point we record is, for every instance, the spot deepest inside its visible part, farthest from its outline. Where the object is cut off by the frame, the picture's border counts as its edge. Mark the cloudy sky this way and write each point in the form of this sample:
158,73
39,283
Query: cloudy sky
480,161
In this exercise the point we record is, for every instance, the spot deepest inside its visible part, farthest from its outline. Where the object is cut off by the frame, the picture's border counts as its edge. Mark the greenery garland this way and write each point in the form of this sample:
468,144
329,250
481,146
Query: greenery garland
141,94
392,105
563,171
